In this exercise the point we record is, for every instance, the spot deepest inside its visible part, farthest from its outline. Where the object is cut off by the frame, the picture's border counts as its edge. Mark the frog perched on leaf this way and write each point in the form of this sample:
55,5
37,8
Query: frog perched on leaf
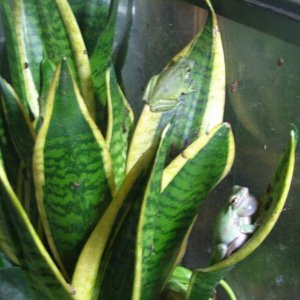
164,90
233,224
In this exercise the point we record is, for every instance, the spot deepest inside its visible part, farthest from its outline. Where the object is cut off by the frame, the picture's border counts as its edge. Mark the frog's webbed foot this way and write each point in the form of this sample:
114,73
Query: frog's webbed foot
236,243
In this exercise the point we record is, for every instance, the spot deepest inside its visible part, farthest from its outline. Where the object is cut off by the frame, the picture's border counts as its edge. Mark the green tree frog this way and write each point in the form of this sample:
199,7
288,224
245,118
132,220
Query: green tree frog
164,90
233,224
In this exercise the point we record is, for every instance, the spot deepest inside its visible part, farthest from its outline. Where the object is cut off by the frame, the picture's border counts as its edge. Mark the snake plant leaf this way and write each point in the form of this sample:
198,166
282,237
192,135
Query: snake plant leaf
80,55
49,28
73,170
8,243
9,153
118,281
92,259
23,137
271,204
47,69
43,275
167,219
15,63
200,110
92,17
120,121
18,122
100,60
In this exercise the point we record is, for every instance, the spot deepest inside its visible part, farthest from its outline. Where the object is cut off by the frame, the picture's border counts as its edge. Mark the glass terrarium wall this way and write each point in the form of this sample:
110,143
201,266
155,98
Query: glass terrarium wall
263,94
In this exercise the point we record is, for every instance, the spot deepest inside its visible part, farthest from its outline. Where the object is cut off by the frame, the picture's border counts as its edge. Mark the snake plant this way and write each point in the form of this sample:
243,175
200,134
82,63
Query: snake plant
89,207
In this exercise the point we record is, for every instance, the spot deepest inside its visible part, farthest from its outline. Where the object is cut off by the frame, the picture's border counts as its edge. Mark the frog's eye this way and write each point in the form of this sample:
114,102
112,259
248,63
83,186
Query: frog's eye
234,200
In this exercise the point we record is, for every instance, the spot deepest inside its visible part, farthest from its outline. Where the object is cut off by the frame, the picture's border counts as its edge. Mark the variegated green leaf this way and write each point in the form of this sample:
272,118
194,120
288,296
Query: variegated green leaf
120,121
100,60
49,29
73,171
18,122
14,59
43,275
23,137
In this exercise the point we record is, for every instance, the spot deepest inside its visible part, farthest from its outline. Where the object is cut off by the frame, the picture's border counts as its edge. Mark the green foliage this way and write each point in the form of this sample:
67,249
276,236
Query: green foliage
89,208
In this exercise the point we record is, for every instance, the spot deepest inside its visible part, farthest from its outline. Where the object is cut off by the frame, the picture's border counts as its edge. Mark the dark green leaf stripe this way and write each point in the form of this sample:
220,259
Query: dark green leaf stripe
120,118
11,45
44,277
100,60
168,218
18,122
92,16
73,170
271,205
124,257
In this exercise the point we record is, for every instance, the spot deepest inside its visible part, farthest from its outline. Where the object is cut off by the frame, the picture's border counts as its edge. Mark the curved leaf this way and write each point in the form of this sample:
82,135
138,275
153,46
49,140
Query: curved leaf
73,171
120,121
80,55
100,60
271,205
19,124
15,62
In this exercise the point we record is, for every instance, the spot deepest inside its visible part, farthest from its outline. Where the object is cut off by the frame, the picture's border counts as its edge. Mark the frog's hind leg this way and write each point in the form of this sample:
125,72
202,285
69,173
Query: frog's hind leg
218,253
236,243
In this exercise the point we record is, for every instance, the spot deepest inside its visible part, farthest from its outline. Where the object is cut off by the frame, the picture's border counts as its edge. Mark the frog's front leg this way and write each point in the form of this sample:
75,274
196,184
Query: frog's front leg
245,225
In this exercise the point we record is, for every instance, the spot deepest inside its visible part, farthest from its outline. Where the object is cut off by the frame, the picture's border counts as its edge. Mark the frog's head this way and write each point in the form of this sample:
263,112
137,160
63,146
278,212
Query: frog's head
186,64
242,202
